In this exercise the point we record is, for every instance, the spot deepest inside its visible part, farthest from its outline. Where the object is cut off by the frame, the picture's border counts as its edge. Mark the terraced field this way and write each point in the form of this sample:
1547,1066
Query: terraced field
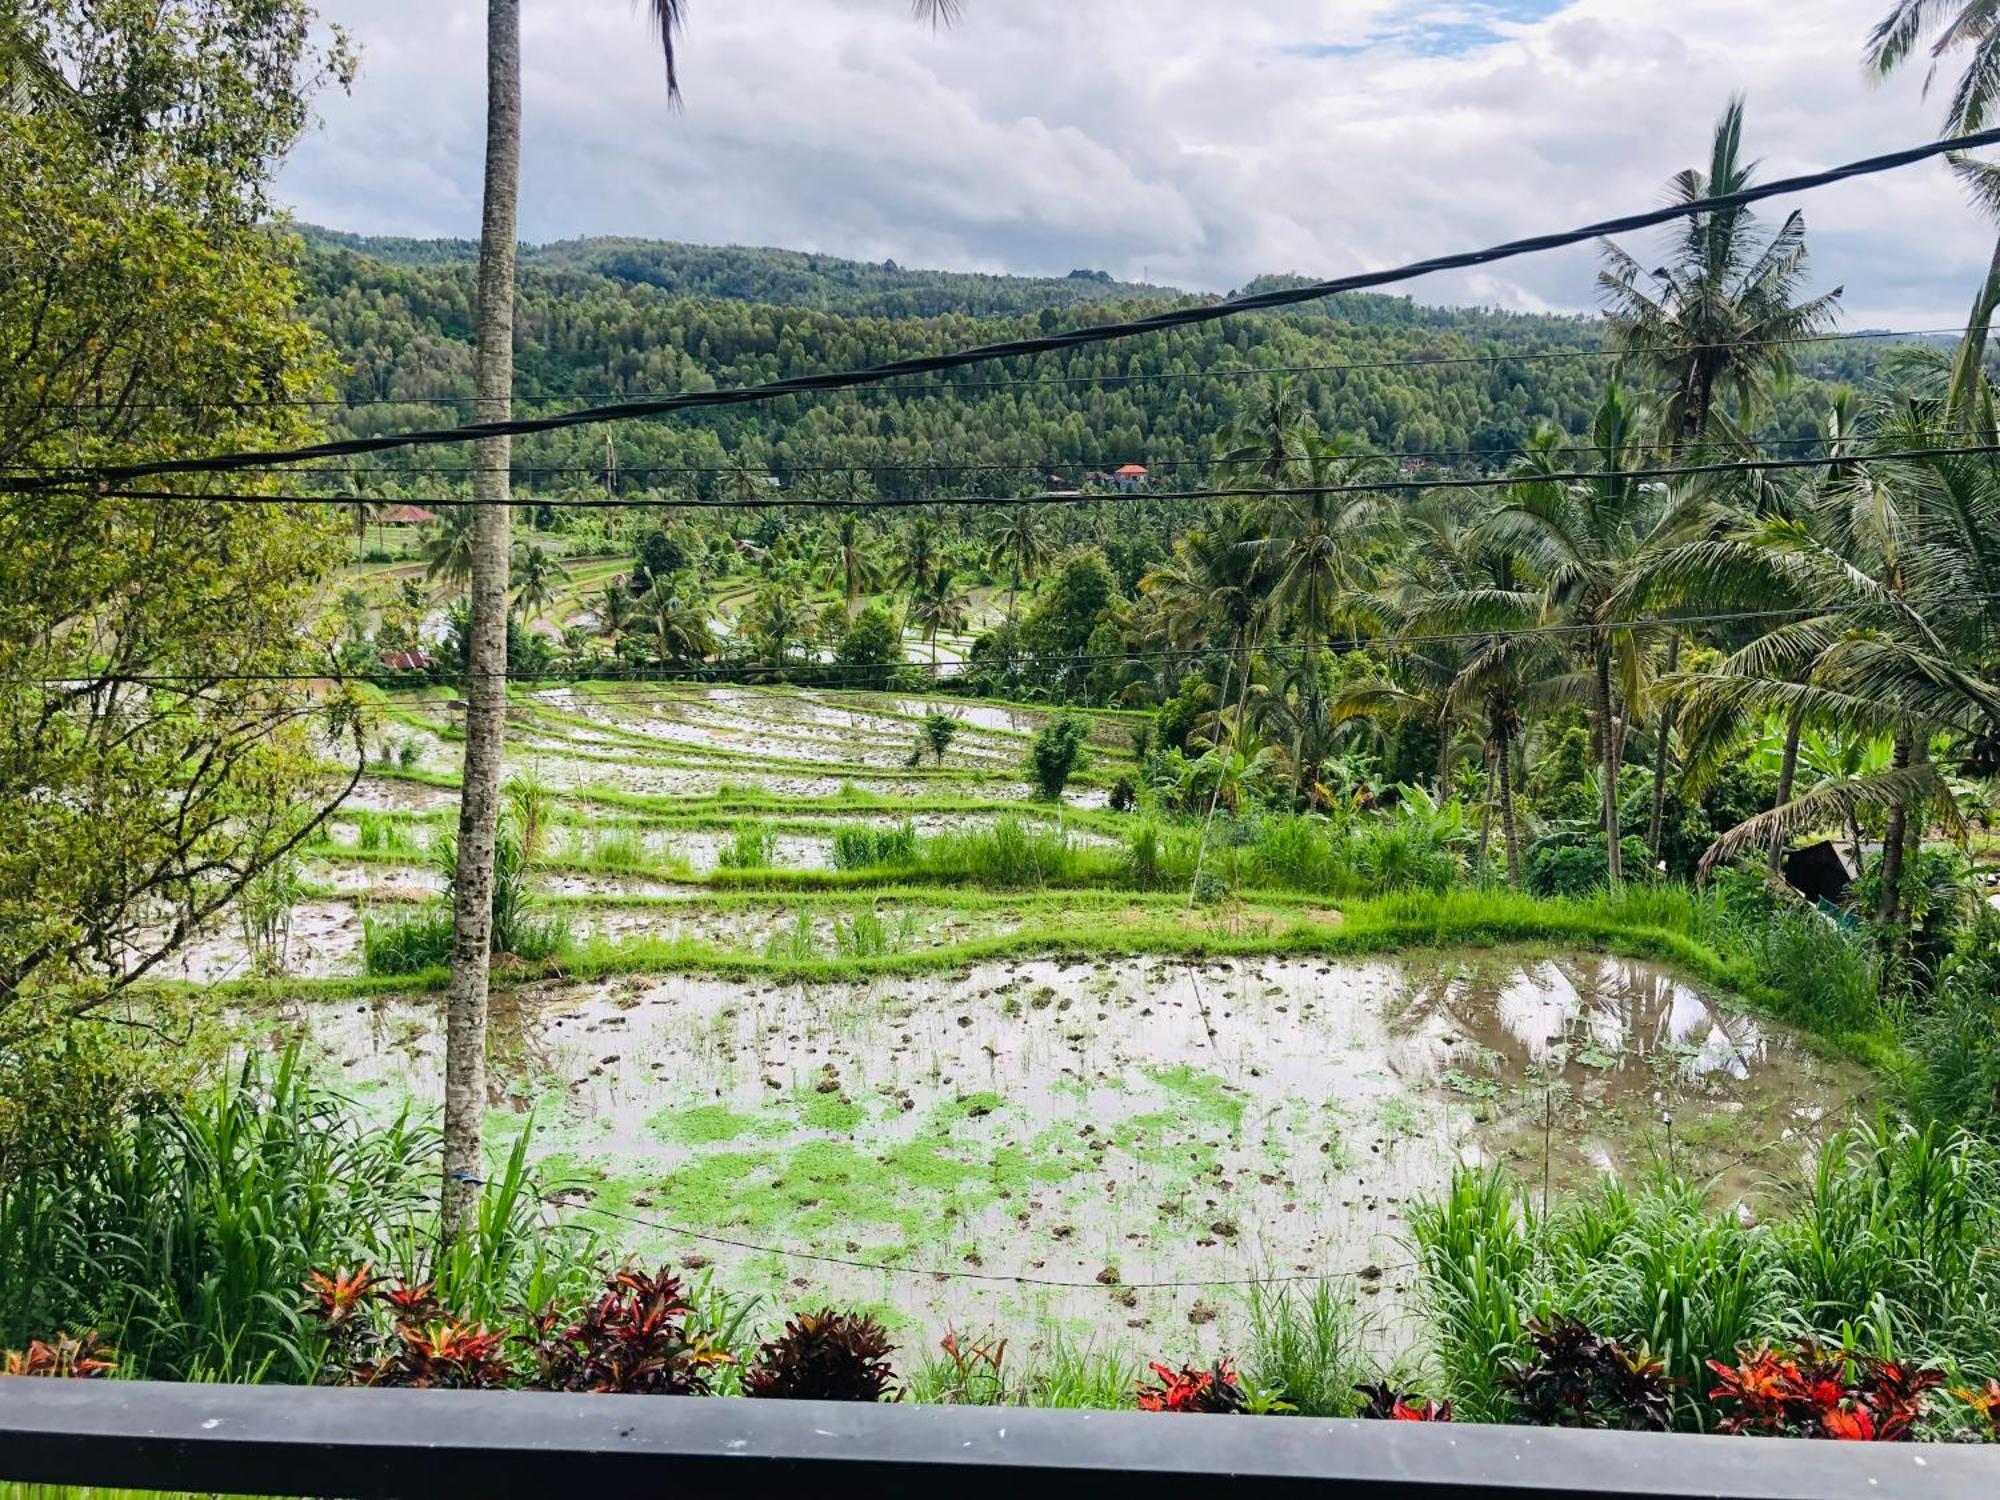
1027,1094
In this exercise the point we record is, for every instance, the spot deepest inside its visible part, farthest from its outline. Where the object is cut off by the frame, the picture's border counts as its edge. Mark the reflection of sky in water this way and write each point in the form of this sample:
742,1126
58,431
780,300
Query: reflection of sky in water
1555,1011
1536,1007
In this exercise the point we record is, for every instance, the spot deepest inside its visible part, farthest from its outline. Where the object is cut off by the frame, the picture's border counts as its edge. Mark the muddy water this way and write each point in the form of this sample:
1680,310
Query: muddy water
1109,1123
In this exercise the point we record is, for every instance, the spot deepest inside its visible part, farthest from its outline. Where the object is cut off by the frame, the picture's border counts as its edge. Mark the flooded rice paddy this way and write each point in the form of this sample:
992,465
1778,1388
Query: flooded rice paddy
1102,1149
1103,1125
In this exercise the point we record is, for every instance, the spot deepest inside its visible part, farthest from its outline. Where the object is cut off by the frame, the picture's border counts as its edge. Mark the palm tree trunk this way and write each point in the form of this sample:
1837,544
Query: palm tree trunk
1486,810
1508,827
1889,908
1608,767
1964,400
1656,826
486,653
1788,775
1444,754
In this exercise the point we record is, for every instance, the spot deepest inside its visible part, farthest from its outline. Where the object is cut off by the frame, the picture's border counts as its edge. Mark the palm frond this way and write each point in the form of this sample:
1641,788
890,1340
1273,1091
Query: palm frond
1923,788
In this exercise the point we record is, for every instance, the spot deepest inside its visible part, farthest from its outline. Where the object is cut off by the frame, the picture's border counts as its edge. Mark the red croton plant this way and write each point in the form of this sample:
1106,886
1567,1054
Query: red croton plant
65,1357
1214,1390
1809,1392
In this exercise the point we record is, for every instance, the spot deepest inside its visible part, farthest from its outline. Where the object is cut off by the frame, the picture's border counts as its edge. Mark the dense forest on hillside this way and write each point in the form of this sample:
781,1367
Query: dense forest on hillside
607,318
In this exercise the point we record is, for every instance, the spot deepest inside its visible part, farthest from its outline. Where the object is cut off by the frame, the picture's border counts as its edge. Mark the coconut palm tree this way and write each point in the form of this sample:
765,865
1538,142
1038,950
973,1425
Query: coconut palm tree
1971,27
677,626
1212,581
538,569
1897,559
28,80
1464,585
1717,320
1020,548
778,621
447,549
486,652
1581,539
1269,436
486,638
855,557
1720,317
1315,543
921,546
940,605
615,606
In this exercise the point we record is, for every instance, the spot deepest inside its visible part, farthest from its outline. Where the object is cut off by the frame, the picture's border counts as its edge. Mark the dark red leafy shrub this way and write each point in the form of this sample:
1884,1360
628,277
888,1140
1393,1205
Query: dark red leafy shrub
1577,1378
79,1357
442,1355
1384,1403
633,1340
824,1356
1809,1393
425,1346
1215,1390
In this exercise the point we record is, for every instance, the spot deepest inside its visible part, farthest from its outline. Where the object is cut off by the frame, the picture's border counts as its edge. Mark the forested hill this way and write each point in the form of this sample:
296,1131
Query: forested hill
607,318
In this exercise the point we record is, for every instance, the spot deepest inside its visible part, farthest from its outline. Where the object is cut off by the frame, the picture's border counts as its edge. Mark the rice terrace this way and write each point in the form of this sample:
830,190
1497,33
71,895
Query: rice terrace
602,816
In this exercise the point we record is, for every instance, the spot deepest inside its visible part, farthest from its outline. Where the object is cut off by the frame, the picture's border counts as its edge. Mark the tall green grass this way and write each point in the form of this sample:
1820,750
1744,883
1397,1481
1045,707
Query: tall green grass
421,940
186,1239
1305,1345
750,846
1887,1246
870,846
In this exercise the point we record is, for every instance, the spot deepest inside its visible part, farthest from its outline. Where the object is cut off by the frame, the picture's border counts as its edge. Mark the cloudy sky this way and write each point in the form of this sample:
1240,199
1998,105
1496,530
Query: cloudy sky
1191,142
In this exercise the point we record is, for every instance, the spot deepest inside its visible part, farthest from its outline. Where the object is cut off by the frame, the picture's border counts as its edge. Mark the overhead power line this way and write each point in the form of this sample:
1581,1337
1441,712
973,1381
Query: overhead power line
699,675
1234,372
783,470
1069,497
1014,348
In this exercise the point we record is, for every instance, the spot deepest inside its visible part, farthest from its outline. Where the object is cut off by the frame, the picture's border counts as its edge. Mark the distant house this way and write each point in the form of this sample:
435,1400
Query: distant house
1129,476
408,661
407,515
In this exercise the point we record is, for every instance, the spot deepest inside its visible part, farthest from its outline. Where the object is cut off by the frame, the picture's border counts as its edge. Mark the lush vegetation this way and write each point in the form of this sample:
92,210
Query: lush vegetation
1438,664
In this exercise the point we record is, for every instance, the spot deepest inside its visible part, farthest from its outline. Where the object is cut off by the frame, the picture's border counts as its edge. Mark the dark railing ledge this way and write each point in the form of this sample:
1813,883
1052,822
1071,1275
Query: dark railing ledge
288,1440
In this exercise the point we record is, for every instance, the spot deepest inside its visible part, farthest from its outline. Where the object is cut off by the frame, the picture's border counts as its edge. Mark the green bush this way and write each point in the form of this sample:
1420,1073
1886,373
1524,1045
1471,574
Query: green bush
1057,754
1574,864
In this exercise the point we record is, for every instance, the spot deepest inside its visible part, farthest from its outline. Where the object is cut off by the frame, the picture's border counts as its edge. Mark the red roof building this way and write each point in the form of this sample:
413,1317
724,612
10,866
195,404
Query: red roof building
407,515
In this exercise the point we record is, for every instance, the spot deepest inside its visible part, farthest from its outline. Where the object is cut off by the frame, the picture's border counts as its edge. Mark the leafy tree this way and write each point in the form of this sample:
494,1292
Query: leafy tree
939,731
662,553
1057,753
870,649
1062,620
159,751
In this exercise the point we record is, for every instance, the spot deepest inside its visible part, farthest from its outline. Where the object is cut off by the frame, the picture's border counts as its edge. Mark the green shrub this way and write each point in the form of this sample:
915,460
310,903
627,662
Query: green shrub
1574,864
1057,754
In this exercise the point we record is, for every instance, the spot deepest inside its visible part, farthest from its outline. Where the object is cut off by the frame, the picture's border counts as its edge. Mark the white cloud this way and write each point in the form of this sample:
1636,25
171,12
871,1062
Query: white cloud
1197,143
